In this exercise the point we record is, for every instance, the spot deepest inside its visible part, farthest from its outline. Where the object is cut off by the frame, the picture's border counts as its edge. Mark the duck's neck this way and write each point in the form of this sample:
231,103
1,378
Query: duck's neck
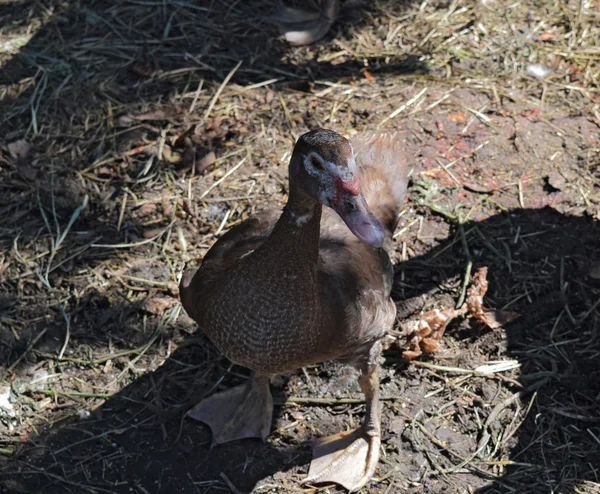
296,234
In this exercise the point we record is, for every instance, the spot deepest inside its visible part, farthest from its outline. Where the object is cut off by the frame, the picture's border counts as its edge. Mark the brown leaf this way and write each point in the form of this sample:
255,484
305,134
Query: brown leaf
28,172
429,345
141,69
478,288
546,36
209,159
19,149
131,118
368,75
158,305
105,172
171,156
480,189
492,318
412,354
153,232
425,332
557,181
459,117
146,209
187,157
180,142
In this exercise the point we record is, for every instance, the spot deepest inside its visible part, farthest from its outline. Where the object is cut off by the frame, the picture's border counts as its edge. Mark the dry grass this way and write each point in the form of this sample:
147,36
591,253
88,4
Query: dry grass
134,133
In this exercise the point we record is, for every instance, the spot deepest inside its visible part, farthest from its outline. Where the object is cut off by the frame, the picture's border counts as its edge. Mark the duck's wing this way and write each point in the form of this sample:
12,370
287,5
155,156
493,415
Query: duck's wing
238,242
242,239
355,282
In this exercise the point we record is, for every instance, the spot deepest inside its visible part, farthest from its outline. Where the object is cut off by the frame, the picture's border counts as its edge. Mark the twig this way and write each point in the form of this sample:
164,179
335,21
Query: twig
27,350
60,237
233,488
162,284
223,178
67,333
135,244
397,112
196,96
220,90
328,401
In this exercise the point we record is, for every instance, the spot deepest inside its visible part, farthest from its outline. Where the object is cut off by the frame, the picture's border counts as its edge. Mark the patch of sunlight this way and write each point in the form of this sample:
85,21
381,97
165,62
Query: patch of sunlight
12,42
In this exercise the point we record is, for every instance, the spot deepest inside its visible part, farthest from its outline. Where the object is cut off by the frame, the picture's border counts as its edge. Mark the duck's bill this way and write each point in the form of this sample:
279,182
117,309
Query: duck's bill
359,218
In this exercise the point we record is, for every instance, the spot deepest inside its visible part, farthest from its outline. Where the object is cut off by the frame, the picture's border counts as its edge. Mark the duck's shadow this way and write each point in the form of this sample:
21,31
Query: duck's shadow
139,440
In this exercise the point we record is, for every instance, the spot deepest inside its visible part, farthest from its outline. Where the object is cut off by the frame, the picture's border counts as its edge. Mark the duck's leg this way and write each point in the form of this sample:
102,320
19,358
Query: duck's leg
237,413
350,458
303,28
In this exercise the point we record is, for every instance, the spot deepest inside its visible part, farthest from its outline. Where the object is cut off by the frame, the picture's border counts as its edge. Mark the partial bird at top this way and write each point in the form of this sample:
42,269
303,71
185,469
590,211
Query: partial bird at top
281,291
303,28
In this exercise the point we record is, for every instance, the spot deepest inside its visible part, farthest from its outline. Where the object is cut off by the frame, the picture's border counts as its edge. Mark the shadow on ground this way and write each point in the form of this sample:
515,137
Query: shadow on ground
541,266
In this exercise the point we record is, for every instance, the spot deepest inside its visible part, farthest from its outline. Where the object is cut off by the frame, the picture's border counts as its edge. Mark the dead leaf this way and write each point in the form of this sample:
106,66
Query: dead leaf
19,149
158,305
141,69
459,117
153,232
171,156
105,172
180,142
146,209
209,159
557,181
368,75
425,332
131,118
492,318
546,36
188,156
28,172
480,189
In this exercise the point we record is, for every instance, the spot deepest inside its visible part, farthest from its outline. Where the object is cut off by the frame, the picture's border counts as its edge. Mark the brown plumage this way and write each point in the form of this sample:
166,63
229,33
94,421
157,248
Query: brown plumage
281,291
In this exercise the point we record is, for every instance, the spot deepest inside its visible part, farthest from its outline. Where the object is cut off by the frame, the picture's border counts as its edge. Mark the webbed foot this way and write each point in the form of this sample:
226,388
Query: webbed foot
348,459
241,412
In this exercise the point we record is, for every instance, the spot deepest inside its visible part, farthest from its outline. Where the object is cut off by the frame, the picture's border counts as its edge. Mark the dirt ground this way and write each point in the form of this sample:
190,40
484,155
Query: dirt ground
134,133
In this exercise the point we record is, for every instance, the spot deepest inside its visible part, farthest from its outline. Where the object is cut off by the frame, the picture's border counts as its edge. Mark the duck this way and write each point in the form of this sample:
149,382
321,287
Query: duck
308,284
299,27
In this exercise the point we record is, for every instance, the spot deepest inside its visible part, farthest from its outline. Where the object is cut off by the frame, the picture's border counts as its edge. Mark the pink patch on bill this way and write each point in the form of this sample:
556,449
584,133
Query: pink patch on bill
351,186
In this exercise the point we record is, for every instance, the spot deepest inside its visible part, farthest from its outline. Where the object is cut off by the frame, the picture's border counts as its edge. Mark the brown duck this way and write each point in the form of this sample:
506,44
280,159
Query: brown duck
282,291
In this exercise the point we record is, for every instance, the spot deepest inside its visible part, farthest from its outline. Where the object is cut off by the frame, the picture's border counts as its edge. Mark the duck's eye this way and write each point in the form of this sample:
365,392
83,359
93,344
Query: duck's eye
315,162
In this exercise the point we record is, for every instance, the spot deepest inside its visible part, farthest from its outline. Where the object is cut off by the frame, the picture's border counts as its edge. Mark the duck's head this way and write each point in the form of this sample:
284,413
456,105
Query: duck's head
324,167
